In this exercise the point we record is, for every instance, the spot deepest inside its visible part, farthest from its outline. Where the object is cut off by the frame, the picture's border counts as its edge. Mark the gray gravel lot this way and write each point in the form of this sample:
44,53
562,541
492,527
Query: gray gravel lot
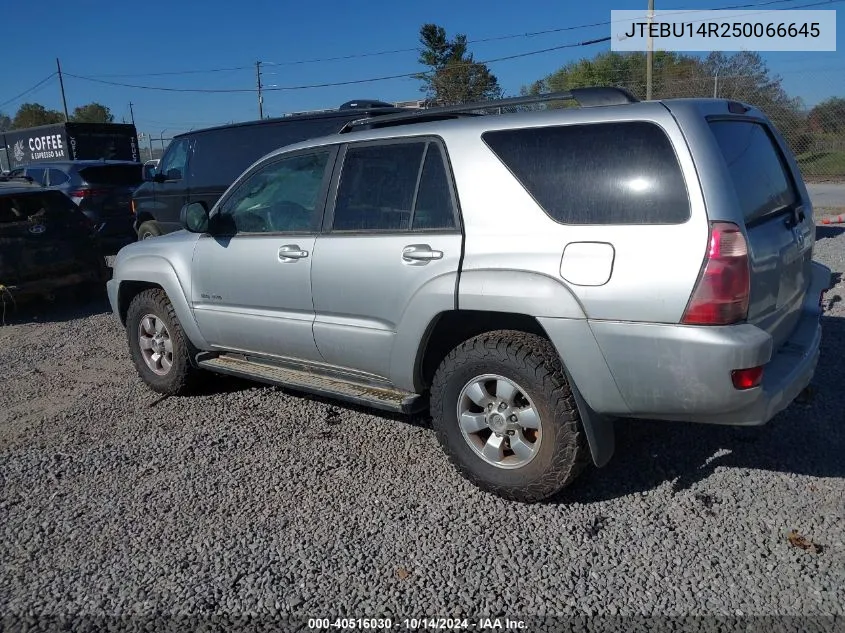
252,500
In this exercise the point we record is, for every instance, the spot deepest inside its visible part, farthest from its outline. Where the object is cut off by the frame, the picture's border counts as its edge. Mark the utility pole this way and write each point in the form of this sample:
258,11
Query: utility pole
131,113
62,86
716,84
649,56
260,98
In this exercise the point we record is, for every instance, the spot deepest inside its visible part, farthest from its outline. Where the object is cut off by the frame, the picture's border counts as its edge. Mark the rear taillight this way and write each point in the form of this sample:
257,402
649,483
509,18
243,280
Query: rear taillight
721,295
747,378
87,193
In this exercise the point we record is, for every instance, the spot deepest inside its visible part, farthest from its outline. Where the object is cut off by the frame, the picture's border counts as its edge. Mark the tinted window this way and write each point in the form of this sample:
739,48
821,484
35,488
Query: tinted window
36,173
120,175
377,186
601,173
433,209
219,157
174,161
57,177
282,197
52,208
756,167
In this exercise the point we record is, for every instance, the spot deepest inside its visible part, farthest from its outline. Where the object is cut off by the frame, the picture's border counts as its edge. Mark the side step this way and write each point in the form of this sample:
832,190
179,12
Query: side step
383,398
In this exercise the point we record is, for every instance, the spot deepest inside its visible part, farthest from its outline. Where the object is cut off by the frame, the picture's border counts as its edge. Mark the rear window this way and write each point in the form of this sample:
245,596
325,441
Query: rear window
758,171
598,173
120,175
50,207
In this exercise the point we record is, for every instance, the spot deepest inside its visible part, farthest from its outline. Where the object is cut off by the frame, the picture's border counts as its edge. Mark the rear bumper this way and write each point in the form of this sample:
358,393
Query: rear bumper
683,373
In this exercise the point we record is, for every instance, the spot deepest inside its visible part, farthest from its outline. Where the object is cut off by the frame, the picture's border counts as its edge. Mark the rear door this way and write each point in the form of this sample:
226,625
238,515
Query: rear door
779,228
393,228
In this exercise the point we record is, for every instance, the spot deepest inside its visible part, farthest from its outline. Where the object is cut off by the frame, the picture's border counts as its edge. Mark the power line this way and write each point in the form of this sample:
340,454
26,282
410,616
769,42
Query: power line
29,90
495,38
336,83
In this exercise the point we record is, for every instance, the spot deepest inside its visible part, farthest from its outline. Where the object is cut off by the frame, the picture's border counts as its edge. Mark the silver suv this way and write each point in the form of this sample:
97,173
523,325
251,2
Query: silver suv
528,277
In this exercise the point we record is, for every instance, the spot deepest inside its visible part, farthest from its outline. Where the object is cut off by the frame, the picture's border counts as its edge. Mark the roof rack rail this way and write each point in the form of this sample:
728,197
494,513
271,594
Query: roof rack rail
584,97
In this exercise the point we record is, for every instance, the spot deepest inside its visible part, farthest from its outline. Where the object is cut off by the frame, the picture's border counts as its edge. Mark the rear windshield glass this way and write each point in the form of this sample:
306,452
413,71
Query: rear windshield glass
121,175
47,206
756,166
599,173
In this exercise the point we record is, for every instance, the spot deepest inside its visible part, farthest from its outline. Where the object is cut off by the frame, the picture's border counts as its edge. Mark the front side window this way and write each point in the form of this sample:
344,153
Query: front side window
174,161
393,187
280,197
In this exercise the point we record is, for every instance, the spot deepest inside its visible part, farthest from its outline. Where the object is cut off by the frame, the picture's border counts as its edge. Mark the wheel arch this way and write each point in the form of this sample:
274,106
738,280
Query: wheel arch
450,329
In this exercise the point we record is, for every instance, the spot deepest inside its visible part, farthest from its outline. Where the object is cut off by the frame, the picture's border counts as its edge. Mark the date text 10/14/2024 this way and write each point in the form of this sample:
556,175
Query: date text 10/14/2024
418,624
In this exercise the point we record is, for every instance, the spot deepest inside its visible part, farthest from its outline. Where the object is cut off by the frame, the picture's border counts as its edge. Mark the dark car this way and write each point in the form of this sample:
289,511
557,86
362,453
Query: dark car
198,166
45,243
102,190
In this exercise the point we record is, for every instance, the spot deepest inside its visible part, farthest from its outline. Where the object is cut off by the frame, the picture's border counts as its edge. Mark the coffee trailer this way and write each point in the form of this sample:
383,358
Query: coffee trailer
68,141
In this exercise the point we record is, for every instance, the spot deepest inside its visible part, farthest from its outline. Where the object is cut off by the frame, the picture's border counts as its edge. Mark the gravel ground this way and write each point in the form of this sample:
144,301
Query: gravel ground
116,503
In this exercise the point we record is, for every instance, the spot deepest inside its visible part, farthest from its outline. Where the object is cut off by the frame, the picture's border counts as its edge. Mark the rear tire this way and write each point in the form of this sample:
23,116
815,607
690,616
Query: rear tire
158,346
149,229
541,419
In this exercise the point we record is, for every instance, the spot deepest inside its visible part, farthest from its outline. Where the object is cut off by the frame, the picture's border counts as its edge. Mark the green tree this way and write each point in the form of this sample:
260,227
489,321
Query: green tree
5,122
743,76
828,117
454,76
33,114
92,113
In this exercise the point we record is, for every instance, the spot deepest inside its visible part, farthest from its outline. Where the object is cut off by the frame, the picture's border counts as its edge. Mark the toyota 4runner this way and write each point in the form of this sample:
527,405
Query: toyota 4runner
528,277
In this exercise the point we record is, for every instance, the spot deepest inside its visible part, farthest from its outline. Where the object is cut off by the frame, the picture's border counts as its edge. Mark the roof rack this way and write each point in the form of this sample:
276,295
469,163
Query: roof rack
584,97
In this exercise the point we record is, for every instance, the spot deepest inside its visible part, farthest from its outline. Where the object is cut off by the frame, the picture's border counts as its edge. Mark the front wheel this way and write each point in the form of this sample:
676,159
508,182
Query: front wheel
159,348
505,414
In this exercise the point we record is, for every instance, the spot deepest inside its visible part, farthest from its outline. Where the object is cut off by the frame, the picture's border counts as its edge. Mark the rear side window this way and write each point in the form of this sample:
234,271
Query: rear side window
219,157
394,187
118,175
36,173
598,173
757,168
57,177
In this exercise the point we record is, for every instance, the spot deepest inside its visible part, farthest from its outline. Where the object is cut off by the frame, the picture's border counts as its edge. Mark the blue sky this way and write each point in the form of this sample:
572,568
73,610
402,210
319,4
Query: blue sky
106,40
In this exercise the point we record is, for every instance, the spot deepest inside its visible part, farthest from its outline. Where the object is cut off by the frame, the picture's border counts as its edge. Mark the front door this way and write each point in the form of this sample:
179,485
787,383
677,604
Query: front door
393,232
171,194
252,278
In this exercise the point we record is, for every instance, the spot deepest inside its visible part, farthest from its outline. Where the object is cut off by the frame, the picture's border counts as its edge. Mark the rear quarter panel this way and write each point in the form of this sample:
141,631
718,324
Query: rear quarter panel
654,268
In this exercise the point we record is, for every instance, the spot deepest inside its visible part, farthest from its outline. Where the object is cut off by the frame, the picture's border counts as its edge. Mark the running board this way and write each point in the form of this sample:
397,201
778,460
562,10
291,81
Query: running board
383,398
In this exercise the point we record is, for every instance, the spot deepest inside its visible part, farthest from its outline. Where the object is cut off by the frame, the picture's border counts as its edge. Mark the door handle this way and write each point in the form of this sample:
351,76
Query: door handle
292,251
420,253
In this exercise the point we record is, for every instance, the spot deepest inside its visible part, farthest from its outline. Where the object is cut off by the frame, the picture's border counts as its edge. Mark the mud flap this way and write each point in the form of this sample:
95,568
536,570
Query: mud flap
598,428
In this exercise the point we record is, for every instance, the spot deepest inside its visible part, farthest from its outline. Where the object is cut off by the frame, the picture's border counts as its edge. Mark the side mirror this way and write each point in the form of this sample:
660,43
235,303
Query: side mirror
194,217
149,173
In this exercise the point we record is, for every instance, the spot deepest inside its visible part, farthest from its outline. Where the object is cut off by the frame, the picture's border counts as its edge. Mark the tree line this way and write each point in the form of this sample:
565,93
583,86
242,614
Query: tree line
33,114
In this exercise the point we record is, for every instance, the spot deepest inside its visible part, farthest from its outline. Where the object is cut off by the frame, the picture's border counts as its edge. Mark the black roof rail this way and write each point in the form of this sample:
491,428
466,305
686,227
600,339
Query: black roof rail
584,97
